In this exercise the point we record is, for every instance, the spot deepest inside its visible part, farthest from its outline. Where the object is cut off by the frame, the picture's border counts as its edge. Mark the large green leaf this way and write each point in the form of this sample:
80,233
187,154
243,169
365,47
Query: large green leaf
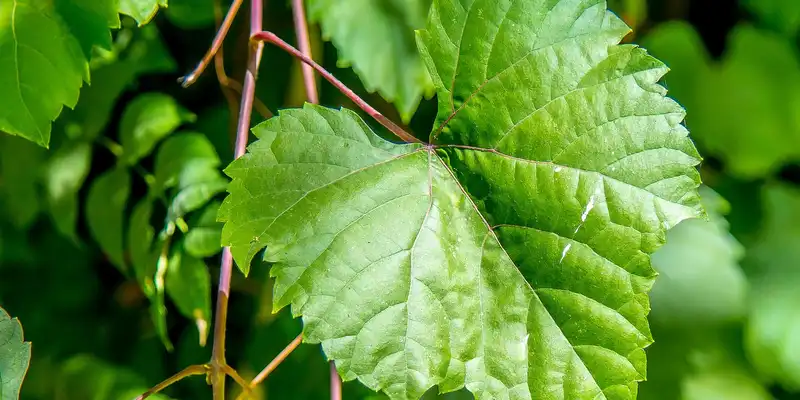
512,256
380,47
105,212
15,355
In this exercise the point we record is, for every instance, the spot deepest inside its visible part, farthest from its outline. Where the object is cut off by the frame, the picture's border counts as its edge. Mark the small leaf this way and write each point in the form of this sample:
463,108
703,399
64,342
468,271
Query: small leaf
197,187
203,242
105,211
21,163
189,286
380,47
65,173
181,154
89,20
141,10
205,233
146,120
15,356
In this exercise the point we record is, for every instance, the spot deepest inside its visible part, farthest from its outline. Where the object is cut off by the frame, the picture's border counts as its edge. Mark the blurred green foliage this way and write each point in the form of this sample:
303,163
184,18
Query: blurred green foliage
725,309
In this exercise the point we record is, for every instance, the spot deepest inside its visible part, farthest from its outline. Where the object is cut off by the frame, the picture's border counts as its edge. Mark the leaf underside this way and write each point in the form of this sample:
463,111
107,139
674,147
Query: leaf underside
511,255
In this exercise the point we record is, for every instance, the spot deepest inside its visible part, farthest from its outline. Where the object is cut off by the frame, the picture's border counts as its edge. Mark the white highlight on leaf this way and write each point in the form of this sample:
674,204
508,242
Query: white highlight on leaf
558,169
589,207
564,253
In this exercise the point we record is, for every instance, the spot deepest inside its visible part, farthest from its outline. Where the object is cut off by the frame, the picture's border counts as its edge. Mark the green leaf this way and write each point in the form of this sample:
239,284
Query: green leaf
141,10
146,120
20,169
700,282
65,173
380,47
181,155
15,355
105,211
88,21
741,109
41,70
188,284
782,15
513,269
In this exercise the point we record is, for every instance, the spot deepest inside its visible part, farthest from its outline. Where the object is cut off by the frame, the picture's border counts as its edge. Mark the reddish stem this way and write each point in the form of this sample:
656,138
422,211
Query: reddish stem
215,45
301,27
336,383
270,37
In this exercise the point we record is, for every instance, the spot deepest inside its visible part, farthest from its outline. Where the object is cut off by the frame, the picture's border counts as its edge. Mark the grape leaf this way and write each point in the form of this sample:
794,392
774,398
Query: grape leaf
188,284
380,47
105,211
698,252
15,355
146,120
141,10
742,107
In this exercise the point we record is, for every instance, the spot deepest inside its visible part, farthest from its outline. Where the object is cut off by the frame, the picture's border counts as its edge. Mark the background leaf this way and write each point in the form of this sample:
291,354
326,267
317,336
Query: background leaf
141,10
105,208
15,354
381,47
188,284
146,120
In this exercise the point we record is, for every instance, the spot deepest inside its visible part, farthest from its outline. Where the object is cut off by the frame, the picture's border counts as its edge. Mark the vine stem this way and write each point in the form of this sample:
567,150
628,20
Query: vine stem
274,364
336,383
222,32
218,362
188,371
303,42
269,37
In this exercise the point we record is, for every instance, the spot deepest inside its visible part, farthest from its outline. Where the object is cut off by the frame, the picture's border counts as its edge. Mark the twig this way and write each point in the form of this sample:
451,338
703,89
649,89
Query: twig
301,27
270,37
336,383
274,363
188,371
191,78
